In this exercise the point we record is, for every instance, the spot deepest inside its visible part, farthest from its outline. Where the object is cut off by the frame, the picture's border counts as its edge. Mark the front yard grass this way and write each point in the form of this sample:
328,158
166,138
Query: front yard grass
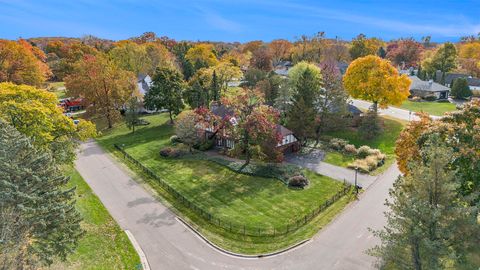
338,159
385,142
432,108
104,245
254,201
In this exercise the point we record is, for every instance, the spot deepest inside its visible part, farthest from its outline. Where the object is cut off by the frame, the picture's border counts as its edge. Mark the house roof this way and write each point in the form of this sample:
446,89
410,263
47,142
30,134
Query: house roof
141,77
429,86
283,130
473,82
220,110
450,77
281,72
354,109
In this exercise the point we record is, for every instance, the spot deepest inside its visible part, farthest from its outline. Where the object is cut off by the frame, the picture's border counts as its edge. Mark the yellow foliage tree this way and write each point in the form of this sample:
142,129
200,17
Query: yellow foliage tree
374,79
201,55
35,113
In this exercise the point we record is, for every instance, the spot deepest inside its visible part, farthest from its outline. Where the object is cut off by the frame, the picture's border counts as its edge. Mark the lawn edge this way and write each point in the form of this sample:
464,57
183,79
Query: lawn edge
240,255
139,179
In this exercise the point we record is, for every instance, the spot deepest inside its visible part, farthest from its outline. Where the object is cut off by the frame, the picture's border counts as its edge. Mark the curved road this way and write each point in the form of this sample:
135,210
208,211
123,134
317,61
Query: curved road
168,244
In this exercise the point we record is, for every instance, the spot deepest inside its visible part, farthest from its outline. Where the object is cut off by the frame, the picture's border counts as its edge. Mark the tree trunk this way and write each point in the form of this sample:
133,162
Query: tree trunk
171,118
375,107
417,264
109,119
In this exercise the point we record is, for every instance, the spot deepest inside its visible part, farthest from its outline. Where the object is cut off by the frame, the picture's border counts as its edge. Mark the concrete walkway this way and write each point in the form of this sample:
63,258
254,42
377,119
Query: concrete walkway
168,244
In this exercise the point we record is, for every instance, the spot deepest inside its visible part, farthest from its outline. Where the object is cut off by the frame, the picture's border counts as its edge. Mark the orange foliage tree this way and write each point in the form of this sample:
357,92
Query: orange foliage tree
22,63
374,79
407,148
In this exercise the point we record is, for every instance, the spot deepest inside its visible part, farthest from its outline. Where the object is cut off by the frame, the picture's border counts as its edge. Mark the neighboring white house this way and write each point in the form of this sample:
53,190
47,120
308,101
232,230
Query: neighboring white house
144,82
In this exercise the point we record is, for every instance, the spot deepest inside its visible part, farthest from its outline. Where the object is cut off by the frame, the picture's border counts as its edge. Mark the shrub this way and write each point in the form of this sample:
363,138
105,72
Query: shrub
374,152
416,99
360,164
338,144
142,122
171,152
350,149
206,145
363,151
325,138
369,126
430,98
299,181
372,162
174,139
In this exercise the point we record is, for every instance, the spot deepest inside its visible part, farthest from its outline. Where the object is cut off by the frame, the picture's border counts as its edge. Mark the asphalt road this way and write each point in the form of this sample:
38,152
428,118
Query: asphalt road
390,111
168,244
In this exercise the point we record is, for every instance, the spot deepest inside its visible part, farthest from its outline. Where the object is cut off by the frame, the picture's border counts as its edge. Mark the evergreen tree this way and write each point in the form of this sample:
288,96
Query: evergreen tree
428,225
166,91
460,89
420,74
215,87
39,222
132,113
303,110
196,96
381,52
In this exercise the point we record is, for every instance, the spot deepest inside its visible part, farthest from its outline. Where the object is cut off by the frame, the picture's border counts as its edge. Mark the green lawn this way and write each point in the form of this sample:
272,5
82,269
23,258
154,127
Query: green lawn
241,199
58,88
433,108
385,142
338,159
104,245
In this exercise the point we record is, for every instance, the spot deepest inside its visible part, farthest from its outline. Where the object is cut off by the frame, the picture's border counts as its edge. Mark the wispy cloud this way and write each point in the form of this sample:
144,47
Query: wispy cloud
218,21
447,26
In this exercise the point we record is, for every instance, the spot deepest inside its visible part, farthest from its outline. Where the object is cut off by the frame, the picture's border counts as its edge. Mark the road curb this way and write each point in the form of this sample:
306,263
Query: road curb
238,255
141,254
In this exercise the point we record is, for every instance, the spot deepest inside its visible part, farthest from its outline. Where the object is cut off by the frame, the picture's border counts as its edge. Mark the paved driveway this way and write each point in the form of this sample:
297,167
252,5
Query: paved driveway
313,161
390,111
168,244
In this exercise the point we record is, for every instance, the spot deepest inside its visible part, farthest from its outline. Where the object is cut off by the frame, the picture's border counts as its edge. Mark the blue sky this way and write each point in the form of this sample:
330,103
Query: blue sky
239,20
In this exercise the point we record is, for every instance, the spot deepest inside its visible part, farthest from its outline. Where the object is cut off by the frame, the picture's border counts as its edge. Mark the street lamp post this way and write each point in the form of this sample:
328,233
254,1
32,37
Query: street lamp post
356,186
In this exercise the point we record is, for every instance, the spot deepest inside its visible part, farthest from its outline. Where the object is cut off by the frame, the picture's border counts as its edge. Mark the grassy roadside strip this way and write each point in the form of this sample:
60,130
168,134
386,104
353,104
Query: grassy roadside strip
223,238
104,245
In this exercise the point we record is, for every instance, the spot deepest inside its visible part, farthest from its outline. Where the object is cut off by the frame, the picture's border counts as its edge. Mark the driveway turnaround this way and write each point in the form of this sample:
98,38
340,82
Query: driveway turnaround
168,244
332,171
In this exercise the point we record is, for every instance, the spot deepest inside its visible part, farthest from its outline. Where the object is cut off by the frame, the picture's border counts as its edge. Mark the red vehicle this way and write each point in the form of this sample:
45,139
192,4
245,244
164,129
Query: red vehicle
72,105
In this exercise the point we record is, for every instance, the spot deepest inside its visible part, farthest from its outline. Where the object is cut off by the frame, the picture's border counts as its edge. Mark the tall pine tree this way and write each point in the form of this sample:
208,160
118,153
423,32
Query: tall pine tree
39,222
428,226
303,109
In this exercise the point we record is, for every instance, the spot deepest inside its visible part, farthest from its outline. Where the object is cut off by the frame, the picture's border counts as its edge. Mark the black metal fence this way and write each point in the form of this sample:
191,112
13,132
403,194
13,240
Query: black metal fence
232,226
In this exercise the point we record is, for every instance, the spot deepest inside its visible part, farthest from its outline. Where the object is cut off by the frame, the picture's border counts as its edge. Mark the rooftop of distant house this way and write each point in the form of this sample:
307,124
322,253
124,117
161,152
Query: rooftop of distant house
429,86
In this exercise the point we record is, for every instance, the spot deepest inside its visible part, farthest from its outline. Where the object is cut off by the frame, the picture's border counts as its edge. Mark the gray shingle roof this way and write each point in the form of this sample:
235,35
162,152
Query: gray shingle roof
428,86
